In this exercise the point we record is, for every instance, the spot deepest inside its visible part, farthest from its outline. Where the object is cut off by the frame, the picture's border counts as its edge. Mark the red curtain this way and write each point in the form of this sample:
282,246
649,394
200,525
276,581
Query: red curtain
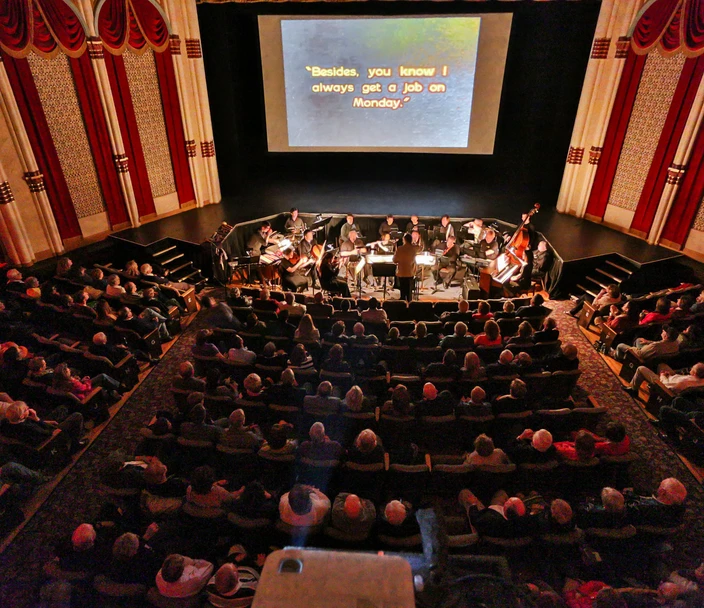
34,120
136,22
615,134
693,22
15,25
684,208
174,126
64,23
653,22
113,24
130,135
99,138
152,23
667,146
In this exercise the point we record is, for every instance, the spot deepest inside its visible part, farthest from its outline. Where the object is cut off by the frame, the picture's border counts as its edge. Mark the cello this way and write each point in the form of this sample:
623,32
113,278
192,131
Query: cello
511,260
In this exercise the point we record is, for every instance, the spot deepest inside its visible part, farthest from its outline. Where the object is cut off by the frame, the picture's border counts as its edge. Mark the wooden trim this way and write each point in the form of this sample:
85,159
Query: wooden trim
670,244
638,233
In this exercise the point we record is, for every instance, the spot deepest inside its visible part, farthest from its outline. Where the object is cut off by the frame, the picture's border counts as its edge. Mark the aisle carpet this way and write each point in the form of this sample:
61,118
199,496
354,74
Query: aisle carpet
76,499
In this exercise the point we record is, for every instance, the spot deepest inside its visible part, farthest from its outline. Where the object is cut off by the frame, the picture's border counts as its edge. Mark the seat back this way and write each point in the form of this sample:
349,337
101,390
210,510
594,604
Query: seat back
409,482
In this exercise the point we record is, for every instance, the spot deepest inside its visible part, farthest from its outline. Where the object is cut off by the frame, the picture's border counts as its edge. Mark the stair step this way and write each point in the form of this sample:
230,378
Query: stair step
163,251
613,277
188,276
589,291
178,256
597,281
181,267
621,268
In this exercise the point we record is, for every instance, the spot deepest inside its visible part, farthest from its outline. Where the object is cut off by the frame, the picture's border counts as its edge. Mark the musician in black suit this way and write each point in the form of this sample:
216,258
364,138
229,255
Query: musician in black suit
414,224
388,226
489,246
305,250
348,227
260,239
291,272
294,223
329,279
446,266
350,251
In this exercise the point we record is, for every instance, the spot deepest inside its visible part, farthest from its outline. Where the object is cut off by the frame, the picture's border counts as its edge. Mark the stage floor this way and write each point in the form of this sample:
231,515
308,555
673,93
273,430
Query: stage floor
573,238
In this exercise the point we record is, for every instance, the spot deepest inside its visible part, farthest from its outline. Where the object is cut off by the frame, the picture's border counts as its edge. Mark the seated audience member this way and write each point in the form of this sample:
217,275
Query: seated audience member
112,352
615,442
491,336
220,315
33,291
420,338
83,553
661,314
394,338
374,314
681,412
232,586
461,314
106,315
39,372
581,449
434,404
683,307
323,403
359,338
15,282
473,369
353,515
476,406
181,577
508,311
196,427
80,306
566,361
131,297
535,309
691,336
306,331
265,302
295,310
239,353
503,367
504,518
611,513
623,319
515,401
97,279
548,332
335,362
133,562
320,446
148,274
63,380
609,295
131,269
253,390
355,401
203,346
483,312
337,334
159,302
666,376
18,483
400,403
319,308
186,380
558,519
366,449
286,391
216,386
278,441
666,508
271,357
524,364
207,493
22,423
459,339
159,483
144,323
485,453
240,436
299,359
397,519
114,289
303,506
533,447
448,368
346,312
254,326
255,502
281,326
524,336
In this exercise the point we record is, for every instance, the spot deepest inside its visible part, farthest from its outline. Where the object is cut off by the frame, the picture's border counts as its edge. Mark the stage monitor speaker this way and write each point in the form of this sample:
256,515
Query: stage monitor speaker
470,288
307,578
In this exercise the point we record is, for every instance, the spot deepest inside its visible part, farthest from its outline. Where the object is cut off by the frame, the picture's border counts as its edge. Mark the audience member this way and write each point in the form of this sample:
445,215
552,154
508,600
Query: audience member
353,515
182,577
320,446
303,506
485,453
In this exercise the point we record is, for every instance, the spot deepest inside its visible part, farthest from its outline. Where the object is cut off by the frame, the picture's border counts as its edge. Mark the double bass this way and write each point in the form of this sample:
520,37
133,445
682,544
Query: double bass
511,260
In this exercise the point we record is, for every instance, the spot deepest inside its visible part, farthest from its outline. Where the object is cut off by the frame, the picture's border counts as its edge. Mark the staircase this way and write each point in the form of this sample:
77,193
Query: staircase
606,273
178,260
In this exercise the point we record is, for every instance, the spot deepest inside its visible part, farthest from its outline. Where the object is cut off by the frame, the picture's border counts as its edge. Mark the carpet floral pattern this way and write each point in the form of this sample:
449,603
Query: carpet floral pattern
77,499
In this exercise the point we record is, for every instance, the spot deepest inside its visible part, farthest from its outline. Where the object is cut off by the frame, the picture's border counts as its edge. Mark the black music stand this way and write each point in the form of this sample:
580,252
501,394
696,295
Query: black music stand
321,223
383,269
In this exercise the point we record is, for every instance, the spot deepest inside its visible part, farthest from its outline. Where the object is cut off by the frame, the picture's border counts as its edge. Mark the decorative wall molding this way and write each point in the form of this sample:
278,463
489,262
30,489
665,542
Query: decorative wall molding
121,163
6,196
600,48
622,45
595,155
95,48
35,181
675,173
191,148
575,156
193,48
175,44
207,149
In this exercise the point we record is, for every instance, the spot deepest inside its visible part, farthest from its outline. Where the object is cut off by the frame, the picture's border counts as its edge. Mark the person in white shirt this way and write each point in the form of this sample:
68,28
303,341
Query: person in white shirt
374,314
240,353
668,378
303,506
181,576
290,304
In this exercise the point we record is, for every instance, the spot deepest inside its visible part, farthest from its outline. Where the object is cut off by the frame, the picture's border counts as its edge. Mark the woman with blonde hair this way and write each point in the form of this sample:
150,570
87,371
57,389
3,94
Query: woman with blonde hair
472,369
306,332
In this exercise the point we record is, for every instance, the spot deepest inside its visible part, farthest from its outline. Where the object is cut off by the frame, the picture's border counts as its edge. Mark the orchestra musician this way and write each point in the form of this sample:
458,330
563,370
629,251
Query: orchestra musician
405,260
295,223
532,234
388,226
329,275
489,246
476,228
305,251
448,228
385,245
260,239
446,266
347,227
351,250
291,272
417,240
414,224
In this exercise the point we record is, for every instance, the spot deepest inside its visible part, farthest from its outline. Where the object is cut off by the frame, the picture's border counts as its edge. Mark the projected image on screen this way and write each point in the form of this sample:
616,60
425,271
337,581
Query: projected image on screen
387,83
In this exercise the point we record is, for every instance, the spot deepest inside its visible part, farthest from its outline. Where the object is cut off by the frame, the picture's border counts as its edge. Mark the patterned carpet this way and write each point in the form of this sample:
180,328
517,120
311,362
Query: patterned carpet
76,498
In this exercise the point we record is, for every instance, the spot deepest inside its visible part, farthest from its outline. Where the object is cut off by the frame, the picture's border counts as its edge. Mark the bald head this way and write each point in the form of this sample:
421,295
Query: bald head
672,491
317,432
514,507
478,394
395,512
226,578
429,391
83,537
353,507
505,357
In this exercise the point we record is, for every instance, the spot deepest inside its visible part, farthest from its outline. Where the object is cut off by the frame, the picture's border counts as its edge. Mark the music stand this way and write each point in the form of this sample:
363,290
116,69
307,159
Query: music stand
384,269
321,223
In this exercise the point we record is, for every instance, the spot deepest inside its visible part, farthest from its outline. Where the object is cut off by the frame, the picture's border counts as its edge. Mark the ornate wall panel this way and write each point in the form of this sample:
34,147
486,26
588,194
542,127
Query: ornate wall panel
655,92
58,96
146,97
699,219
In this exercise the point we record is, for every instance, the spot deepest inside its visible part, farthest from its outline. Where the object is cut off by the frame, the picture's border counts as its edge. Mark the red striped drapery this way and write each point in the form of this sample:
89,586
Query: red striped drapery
674,25
133,23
